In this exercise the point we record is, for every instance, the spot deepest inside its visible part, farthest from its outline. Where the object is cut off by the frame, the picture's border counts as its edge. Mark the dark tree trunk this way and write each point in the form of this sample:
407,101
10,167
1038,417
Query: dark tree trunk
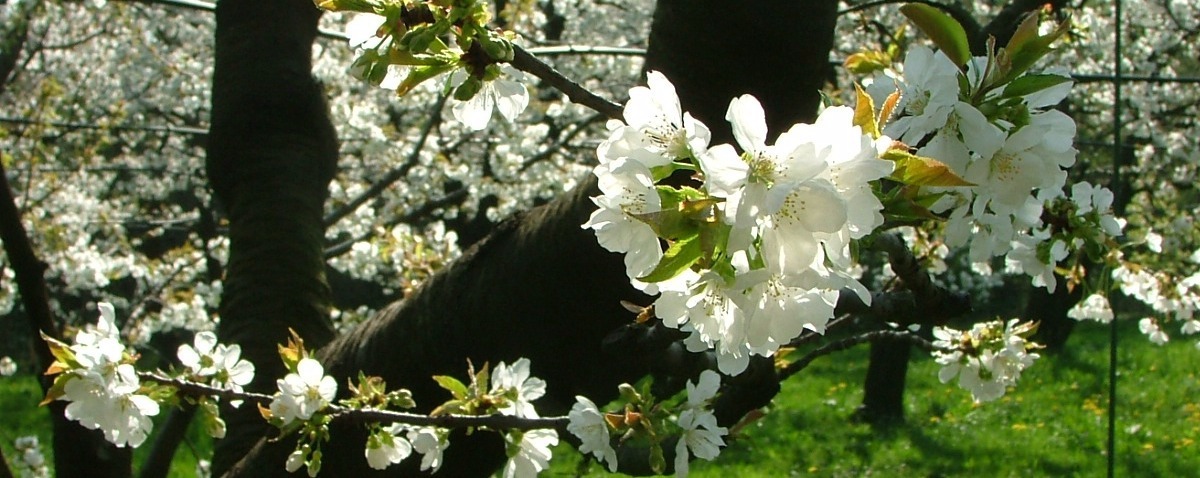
1050,311
539,286
271,155
883,389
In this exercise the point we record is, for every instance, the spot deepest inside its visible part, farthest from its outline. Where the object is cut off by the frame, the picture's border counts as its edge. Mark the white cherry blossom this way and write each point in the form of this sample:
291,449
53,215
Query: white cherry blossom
506,94
430,443
587,423
1094,307
531,454
657,131
7,366
387,447
515,384
303,392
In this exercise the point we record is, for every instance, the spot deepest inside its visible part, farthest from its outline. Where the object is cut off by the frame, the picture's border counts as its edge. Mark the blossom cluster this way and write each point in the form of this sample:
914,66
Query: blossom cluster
97,375
1013,149
1172,298
30,463
399,45
699,433
99,379
987,359
757,242
210,362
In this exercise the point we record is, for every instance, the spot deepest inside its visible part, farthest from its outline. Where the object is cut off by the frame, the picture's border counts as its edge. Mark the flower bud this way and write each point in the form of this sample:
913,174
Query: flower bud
468,88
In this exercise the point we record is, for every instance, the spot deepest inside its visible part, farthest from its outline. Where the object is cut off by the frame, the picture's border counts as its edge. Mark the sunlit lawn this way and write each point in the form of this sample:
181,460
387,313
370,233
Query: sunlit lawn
1054,424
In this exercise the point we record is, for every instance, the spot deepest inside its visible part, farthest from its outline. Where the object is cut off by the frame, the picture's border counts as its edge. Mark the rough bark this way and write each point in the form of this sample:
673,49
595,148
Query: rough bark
540,286
271,155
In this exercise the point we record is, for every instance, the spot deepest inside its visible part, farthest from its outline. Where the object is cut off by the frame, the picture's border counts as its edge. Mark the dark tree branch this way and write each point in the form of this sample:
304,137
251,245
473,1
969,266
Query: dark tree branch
849,342
5,471
13,37
271,154
524,61
931,304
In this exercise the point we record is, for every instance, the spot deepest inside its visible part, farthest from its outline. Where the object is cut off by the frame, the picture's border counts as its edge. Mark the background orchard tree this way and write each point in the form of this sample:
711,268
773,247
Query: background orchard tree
126,215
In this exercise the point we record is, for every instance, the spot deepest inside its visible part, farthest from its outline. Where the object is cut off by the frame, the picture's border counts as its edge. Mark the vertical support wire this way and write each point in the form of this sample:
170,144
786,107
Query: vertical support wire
1111,445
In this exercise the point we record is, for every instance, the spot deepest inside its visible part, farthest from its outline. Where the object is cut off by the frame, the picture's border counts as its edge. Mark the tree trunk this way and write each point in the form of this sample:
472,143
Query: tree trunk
271,155
883,389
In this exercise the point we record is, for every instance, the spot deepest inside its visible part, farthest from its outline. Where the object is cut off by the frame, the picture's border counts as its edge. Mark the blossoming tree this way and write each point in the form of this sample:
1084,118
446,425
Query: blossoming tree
721,223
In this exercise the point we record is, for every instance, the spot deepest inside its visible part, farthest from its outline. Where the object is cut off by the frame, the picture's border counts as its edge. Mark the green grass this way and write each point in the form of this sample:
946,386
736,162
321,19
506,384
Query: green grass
1053,424
20,416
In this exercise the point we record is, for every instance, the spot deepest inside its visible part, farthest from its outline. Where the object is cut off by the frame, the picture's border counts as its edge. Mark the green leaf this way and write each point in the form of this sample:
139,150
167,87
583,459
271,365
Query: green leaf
714,236
401,398
58,389
889,106
864,112
680,256
682,209
867,62
418,75
657,463
1026,31
452,384
672,197
669,224
946,33
1023,54
922,171
62,353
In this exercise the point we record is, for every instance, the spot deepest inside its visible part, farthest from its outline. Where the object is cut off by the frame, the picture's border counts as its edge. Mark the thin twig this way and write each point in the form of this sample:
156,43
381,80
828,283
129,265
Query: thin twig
849,342
525,61
496,421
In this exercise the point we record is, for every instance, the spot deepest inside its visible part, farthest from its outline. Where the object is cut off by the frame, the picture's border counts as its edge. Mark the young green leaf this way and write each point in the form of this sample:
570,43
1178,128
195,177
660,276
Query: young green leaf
1030,84
922,171
1024,54
864,112
944,31
680,256
452,384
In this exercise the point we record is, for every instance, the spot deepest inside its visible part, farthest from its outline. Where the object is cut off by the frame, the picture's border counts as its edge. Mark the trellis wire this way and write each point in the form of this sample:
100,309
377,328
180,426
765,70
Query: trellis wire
1111,443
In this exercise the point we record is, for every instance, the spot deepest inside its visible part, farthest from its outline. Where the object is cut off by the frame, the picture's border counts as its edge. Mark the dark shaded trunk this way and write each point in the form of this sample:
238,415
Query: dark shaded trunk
540,286
883,389
1050,311
271,155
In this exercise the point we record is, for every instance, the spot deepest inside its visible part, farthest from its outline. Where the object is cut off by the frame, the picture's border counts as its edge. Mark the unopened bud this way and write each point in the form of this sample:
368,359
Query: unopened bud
468,88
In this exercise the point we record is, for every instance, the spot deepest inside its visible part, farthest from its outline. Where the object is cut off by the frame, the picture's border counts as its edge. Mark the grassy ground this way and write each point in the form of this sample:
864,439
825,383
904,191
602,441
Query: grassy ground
1054,424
